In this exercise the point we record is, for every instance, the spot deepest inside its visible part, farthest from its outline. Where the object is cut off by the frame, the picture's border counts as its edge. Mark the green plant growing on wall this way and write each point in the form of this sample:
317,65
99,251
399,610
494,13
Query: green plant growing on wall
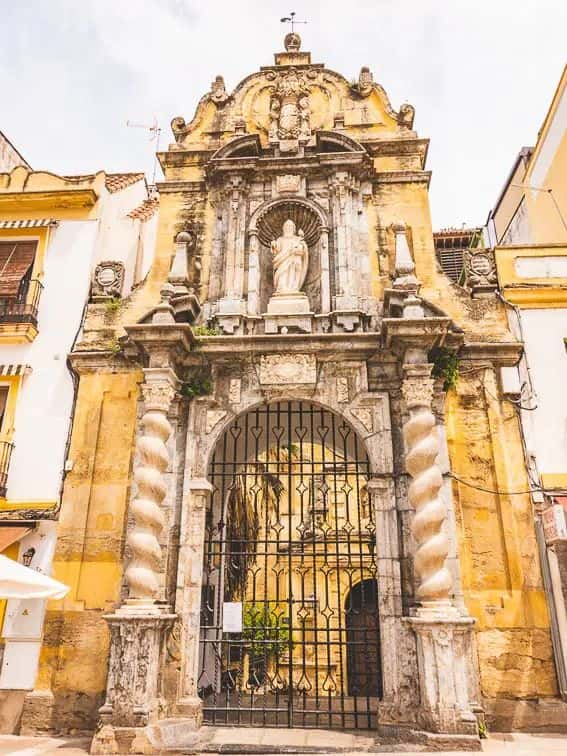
445,366
113,305
263,629
205,330
114,347
197,383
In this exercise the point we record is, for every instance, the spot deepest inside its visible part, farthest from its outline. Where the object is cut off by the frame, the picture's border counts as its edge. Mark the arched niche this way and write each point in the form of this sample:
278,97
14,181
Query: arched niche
265,226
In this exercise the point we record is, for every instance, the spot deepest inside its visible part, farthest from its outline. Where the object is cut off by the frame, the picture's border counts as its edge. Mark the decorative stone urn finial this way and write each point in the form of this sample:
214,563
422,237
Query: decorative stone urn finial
292,42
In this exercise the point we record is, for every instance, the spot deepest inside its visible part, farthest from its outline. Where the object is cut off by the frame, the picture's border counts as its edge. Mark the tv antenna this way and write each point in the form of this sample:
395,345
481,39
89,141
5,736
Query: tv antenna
155,134
291,20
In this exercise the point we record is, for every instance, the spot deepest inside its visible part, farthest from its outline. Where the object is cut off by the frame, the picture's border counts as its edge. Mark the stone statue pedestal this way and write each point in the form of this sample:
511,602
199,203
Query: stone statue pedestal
447,680
288,311
288,304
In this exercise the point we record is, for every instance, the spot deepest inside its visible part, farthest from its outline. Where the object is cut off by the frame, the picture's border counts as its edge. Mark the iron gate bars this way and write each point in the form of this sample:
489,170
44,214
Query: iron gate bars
290,549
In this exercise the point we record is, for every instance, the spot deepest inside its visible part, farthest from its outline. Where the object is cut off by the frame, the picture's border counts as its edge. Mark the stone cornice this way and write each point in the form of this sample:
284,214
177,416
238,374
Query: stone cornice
174,187
358,162
48,200
423,333
393,147
503,353
403,177
100,361
327,346
162,343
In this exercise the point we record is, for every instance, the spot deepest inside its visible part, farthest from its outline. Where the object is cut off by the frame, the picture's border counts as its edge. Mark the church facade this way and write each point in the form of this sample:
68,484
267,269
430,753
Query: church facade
298,494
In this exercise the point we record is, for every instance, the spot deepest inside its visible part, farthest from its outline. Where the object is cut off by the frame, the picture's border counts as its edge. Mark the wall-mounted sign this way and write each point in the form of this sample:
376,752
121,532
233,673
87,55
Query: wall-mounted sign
232,617
554,523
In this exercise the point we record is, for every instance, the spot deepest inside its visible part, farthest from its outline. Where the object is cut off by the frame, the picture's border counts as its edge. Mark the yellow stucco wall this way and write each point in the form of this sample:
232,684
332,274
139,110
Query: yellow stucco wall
89,555
501,577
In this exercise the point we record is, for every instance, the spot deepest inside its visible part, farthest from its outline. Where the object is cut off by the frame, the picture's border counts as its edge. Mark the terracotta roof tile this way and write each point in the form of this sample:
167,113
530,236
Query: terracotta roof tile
115,182
144,211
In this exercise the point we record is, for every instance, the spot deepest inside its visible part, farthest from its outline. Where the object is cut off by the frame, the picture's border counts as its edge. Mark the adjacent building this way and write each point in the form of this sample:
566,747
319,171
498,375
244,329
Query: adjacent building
62,239
528,227
292,449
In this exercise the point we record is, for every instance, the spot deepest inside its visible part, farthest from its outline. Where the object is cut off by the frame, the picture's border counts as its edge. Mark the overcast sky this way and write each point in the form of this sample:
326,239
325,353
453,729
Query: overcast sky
481,75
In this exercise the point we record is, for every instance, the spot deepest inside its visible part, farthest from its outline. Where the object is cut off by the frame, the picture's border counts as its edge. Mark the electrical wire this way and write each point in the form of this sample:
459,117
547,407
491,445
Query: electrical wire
535,489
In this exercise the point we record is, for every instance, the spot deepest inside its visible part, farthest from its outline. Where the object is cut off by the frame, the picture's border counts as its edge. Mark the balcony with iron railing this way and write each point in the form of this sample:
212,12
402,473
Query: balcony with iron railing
24,306
18,314
6,448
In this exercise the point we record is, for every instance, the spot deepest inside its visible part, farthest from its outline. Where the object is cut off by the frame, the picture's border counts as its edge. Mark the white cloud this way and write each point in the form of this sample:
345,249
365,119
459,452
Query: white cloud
481,75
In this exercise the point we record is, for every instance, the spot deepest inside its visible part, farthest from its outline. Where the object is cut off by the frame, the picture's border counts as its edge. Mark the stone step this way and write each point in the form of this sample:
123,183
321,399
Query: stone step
174,736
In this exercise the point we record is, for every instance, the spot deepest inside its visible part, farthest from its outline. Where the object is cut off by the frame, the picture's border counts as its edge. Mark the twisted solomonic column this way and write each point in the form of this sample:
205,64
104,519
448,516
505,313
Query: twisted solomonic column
152,462
422,446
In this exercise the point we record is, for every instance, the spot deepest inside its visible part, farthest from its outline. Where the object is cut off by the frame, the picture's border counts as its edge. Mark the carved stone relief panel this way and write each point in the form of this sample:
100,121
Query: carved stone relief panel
288,369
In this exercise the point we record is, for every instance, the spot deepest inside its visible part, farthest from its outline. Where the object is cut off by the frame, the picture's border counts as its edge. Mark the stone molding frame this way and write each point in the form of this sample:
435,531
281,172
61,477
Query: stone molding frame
368,413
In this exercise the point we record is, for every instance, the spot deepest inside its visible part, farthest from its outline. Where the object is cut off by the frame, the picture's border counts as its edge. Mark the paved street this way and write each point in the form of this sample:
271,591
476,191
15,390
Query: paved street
516,744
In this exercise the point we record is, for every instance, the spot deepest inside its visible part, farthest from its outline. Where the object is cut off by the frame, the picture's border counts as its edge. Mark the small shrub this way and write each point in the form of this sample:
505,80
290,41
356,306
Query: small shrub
197,384
205,330
113,305
445,365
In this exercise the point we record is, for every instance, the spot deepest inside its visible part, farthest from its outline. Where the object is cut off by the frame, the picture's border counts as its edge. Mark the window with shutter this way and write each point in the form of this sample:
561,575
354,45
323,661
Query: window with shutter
6,445
19,292
16,263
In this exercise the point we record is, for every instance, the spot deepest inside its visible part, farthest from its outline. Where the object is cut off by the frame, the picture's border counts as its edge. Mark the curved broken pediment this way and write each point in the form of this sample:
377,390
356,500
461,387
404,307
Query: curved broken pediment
290,101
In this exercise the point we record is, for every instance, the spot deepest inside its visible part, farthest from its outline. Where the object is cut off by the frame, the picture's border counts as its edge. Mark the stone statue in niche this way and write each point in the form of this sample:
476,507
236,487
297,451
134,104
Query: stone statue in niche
290,257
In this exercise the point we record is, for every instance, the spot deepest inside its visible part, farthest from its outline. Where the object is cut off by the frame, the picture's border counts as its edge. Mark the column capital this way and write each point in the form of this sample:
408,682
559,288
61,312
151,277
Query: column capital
417,385
159,388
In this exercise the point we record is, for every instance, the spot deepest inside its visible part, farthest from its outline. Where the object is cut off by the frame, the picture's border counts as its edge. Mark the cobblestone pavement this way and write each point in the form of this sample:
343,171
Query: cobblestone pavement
508,744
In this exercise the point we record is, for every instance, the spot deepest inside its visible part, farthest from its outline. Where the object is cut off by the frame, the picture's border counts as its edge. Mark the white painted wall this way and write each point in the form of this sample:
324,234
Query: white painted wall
124,239
546,426
45,400
46,397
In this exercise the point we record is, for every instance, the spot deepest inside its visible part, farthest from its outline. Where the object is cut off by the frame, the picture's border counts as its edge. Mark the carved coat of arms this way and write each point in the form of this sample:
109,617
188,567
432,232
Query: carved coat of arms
289,108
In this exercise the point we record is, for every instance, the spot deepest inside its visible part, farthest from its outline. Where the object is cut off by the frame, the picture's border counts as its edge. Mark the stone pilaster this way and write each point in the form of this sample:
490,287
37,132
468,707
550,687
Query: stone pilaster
189,580
383,501
444,637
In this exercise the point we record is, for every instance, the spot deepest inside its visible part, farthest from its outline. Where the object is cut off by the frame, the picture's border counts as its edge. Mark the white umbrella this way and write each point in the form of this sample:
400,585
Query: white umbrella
20,582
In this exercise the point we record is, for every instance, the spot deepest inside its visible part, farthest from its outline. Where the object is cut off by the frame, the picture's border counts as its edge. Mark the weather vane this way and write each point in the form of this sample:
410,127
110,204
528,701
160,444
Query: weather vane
291,20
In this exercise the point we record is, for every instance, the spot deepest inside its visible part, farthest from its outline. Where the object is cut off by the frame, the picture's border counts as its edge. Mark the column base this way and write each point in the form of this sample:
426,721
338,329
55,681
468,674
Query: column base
121,740
136,650
446,670
191,709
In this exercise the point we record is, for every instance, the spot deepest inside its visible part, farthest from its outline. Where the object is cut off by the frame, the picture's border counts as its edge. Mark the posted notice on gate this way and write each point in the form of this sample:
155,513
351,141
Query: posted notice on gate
232,617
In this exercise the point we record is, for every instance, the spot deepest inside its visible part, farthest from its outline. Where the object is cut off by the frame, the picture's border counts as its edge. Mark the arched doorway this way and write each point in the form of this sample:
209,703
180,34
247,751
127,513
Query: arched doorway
289,534
363,640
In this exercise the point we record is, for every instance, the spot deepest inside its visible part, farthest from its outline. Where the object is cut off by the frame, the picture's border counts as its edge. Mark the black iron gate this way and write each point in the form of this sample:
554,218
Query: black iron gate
289,618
